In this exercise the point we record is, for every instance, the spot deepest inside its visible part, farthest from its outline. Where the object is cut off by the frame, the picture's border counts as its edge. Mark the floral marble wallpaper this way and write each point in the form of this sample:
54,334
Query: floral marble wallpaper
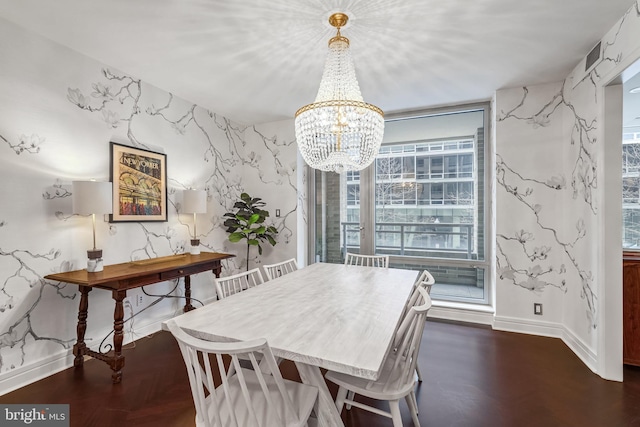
537,238
550,190
58,112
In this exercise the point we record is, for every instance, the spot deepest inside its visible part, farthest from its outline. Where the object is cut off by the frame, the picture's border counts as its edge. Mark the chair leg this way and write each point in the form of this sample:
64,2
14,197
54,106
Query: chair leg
413,407
350,396
414,400
342,394
418,374
394,405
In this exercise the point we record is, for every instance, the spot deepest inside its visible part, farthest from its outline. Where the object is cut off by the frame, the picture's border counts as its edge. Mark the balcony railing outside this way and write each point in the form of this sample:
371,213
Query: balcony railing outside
452,240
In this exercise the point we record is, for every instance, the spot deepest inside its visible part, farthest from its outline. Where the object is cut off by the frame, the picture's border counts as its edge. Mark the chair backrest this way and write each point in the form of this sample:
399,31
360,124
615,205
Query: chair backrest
235,402
408,338
280,269
367,260
226,286
426,280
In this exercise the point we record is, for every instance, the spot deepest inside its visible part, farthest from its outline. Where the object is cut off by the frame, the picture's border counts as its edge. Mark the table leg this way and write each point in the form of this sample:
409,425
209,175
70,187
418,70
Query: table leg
328,415
217,269
117,361
80,346
187,294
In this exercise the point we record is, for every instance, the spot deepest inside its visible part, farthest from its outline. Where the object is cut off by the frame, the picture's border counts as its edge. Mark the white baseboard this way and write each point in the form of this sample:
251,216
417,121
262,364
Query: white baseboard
25,375
53,364
526,326
461,315
585,354
549,329
20,377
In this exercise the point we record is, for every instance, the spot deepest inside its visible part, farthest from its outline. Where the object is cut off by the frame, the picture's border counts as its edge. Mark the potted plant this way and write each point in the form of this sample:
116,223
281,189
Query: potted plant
248,223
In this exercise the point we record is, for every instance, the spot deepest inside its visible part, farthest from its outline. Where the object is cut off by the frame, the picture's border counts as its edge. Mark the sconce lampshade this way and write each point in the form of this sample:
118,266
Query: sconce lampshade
92,197
194,201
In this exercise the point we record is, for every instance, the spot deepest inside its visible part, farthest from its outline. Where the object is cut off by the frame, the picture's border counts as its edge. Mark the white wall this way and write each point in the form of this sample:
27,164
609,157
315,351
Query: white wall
549,192
561,127
273,176
546,220
58,112
56,121
531,184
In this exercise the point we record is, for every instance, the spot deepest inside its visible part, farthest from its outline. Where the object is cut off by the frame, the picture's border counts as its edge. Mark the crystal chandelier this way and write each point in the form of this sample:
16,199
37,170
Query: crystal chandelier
339,132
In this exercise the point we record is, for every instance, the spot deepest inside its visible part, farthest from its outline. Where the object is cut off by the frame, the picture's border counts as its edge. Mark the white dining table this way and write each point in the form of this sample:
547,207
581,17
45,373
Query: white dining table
331,316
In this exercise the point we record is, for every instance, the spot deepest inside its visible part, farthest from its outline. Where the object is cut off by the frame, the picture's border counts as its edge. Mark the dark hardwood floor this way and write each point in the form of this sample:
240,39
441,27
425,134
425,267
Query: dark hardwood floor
473,376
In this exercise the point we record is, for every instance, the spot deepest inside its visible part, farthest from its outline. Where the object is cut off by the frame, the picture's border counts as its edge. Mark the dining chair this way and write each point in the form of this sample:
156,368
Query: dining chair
367,260
230,285
280,269
425,280
397,378
242,397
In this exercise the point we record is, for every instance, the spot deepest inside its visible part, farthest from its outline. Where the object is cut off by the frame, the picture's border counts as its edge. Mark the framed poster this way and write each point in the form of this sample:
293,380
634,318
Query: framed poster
139,180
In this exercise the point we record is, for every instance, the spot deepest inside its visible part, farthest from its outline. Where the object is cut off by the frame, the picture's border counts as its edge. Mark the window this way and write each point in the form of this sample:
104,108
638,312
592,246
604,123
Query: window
421,202
422,167
631,190
436,167
466,165
451,166
353,194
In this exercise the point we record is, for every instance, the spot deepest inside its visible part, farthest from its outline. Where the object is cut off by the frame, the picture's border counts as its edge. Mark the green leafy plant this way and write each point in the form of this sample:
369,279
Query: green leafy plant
247,223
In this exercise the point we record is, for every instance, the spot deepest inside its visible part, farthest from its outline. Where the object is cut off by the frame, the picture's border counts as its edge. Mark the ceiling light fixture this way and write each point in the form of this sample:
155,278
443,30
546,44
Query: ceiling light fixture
635,90
339,132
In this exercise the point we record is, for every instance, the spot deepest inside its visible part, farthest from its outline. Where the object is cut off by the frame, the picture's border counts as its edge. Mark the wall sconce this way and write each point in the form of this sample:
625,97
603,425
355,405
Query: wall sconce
91,198
195,202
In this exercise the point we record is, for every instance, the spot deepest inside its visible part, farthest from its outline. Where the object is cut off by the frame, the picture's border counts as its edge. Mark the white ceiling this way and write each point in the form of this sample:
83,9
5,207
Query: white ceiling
258,61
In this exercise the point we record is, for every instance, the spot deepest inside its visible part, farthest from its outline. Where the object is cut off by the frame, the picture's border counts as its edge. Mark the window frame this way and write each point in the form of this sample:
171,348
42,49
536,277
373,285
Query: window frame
486,265
366,179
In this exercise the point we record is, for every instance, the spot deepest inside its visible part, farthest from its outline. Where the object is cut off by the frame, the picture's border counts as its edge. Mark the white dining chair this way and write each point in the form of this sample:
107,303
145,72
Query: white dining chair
230,285
243,397
426,281
226,286
367,260
280,269
397,378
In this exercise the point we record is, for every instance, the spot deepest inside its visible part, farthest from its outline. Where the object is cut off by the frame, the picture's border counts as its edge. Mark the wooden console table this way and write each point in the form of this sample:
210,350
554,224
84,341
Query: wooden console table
118,278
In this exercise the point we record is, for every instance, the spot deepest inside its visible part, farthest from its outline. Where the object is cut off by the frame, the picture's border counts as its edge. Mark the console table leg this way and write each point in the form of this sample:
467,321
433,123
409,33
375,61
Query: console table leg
217,270
117,362
80,346
187,294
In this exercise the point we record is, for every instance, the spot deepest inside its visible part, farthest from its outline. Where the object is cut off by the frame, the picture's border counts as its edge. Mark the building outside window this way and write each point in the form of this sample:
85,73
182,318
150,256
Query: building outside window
421,202
631,190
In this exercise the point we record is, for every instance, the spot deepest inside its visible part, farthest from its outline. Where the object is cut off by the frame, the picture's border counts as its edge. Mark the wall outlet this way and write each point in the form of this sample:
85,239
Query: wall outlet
138,300
277,213
537,308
